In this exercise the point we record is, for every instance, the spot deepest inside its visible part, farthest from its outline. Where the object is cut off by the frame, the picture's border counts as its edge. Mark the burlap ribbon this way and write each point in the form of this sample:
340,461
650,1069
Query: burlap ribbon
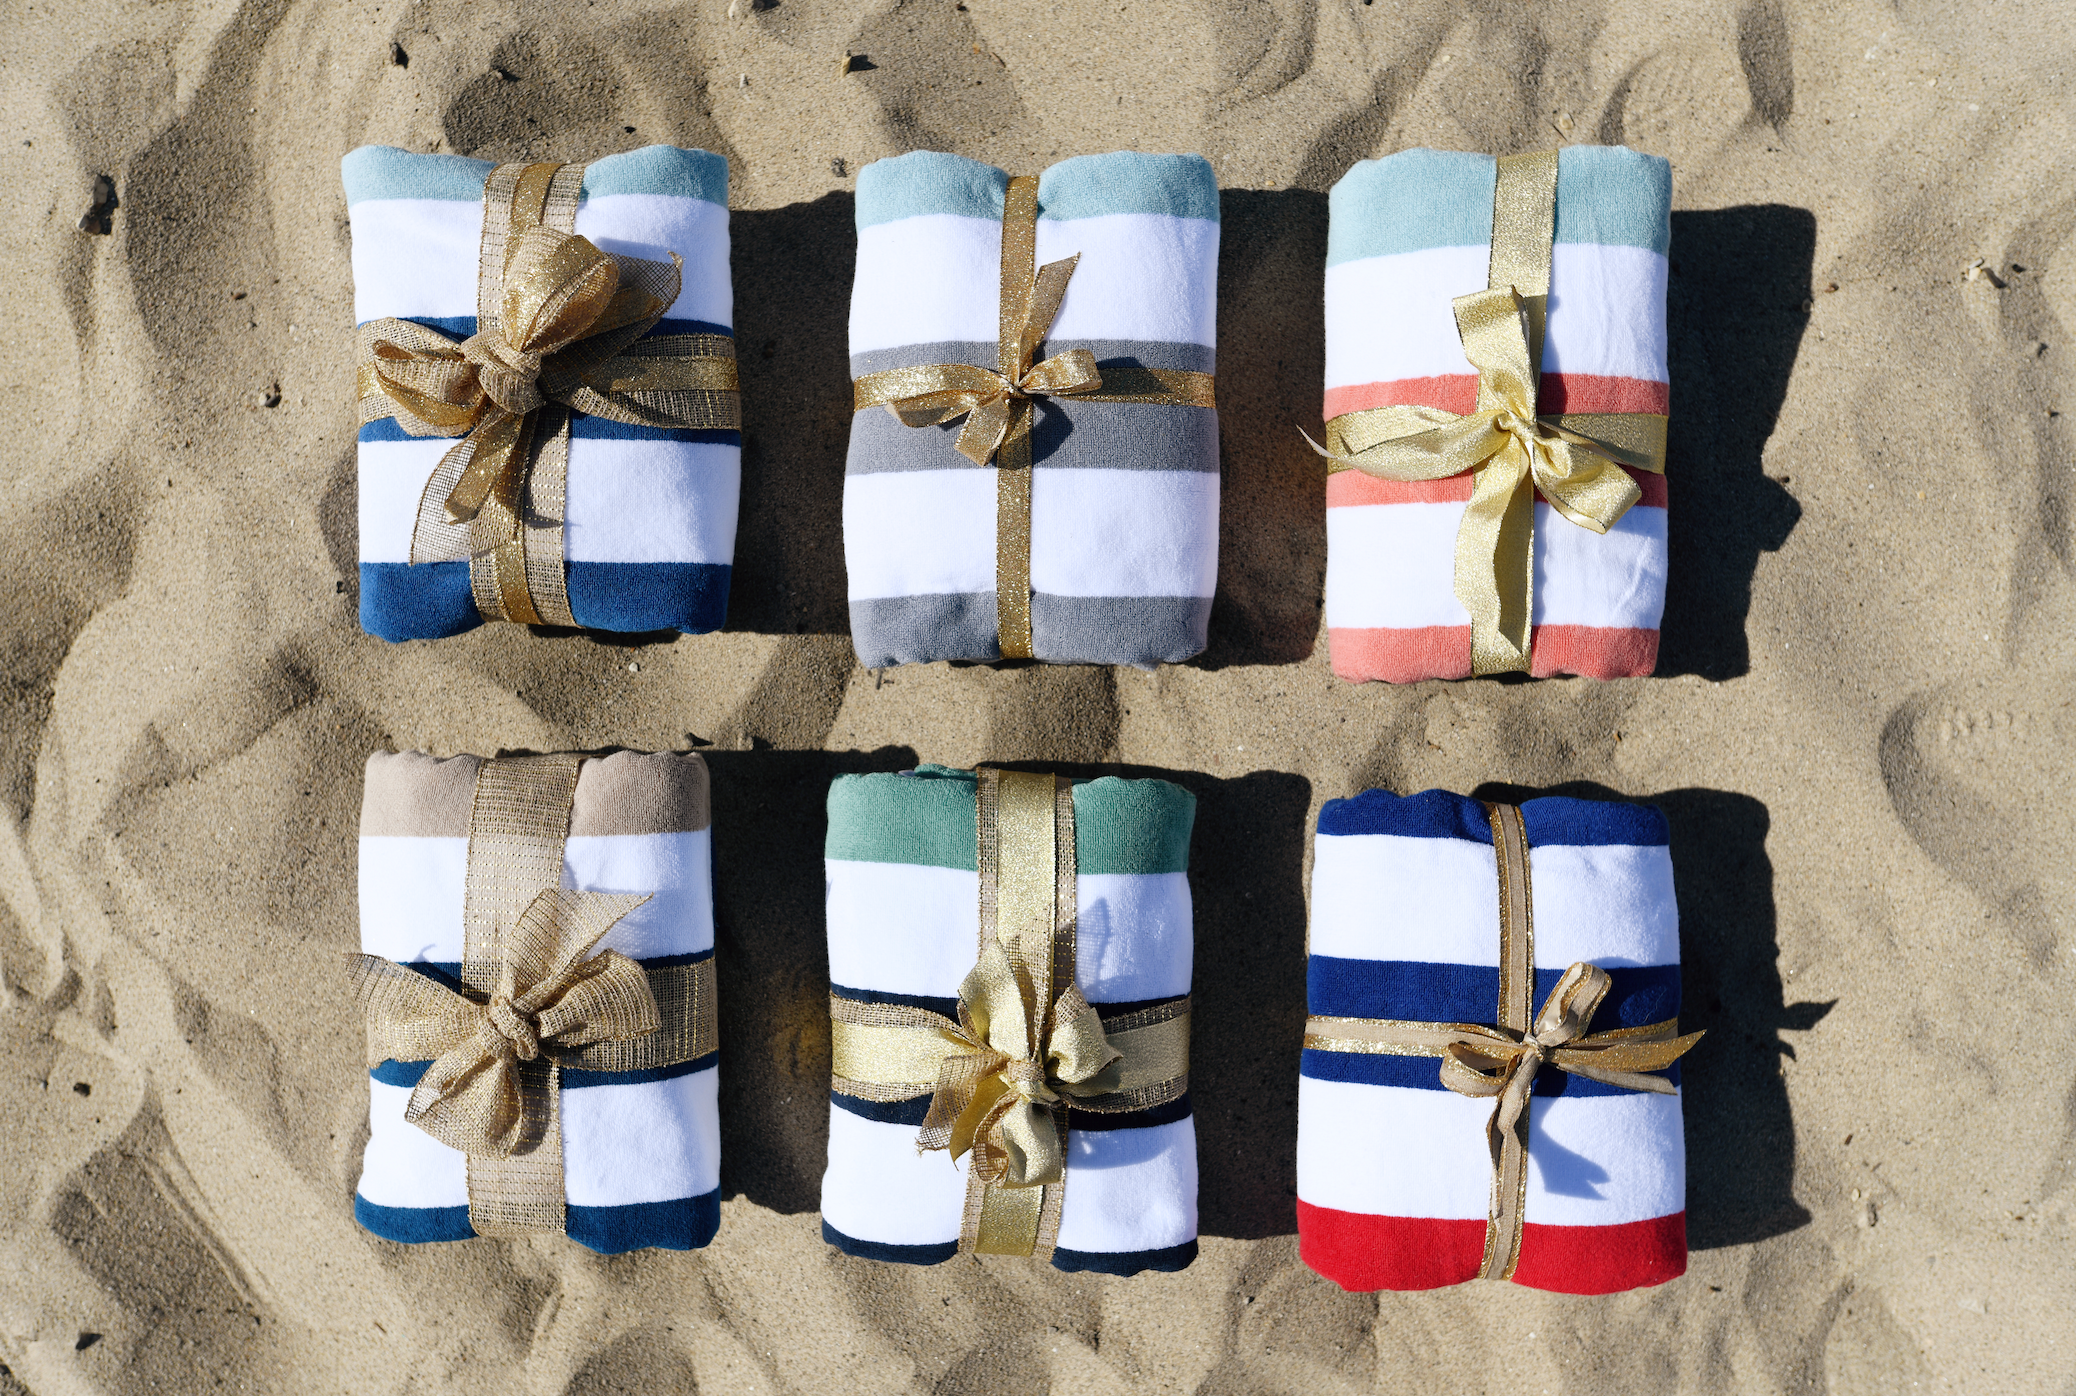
1027,1047
997,402
532,1004
1501,1062
1573,460
560,327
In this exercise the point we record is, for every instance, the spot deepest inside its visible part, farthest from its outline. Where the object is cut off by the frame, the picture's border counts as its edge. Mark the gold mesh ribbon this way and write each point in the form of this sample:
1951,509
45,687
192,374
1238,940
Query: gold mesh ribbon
1501,1062
532,1004
997,402
1027,1047
559,329
1574,460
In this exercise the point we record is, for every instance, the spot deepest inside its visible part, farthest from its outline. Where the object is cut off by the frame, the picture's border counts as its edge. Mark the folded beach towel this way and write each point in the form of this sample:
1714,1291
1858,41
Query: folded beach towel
1410,233
1119,520
1395,1173
905,903
447,858
647,529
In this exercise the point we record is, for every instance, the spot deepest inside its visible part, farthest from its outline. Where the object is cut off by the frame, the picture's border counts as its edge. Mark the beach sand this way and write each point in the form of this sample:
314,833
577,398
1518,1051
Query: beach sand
1860,728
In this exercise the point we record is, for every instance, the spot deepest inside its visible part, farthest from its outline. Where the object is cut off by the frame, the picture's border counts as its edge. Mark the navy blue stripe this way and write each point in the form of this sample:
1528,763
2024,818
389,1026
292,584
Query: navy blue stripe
460,327
1427,992
1167,1260
949,1008
935,1254
396,1073
413,1225
1423,1073
681,1224
1552,820
448,972
429,601
582,427
912,1112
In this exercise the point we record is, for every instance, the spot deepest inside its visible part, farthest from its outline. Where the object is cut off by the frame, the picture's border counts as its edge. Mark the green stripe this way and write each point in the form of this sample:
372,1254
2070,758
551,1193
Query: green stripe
926,817
1087,186
1418,199
384,172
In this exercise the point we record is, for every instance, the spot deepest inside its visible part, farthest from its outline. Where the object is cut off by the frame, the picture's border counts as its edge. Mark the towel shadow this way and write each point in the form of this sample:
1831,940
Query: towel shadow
1247,1019
1737,306
1740,1131
793,268
772,962
1271,361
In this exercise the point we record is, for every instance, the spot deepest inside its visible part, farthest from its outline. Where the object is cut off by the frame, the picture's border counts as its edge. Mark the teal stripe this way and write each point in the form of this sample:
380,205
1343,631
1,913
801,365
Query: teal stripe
1087,186
384,172
1417,199
925,817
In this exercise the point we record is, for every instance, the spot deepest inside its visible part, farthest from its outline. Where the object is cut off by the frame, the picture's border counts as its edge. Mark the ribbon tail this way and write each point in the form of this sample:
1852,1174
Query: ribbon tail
1495,562
987,427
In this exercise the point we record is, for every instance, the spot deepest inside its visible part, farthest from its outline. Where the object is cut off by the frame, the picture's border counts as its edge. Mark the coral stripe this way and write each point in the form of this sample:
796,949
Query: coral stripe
1458,392
1350,487
1444,652
1360,1252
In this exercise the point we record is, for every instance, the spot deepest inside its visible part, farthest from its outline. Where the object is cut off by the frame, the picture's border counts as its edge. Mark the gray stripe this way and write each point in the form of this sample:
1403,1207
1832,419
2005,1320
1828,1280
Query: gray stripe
1125,353
1138,630
1067,436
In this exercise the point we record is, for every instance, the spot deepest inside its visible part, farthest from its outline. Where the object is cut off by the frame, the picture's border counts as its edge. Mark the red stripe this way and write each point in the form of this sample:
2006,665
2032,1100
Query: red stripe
1444,652
1362,1253
1350,487
1458,392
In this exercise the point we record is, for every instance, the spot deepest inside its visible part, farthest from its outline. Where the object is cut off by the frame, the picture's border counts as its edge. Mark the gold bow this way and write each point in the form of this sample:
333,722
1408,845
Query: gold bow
1513,453
549,1001
561,325
1487,1062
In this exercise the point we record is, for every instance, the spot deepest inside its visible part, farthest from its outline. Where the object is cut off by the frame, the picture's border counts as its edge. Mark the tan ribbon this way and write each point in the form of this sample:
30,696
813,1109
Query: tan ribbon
532,1003
1575,461
997,402
1501,1062
1027,1046
560,328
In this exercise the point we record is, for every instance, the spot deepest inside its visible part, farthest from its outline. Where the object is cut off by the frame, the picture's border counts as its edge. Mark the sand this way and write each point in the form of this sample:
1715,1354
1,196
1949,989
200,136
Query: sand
1860,727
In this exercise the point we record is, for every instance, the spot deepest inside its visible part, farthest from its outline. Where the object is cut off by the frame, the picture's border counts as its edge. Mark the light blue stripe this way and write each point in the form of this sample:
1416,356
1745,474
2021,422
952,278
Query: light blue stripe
1087,186
384,172
1417,199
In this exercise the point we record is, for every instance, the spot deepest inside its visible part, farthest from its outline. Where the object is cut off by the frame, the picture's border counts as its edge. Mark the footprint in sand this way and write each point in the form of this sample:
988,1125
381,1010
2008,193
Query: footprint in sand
1975,770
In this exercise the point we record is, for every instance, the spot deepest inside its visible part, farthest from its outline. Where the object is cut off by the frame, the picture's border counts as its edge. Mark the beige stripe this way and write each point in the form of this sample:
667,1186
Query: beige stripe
411,794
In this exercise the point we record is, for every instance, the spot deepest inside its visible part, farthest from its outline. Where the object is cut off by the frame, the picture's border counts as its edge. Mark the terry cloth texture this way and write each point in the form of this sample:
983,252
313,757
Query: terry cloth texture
1393,1170
904,927
1124,496
1407,235
641,1150
650,532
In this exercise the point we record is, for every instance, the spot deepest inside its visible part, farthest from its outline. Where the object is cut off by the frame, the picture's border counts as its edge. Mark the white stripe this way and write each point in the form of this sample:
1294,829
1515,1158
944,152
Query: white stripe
1093,532
903,928
937,277
651,1142
404,1166
879,1187
629,501
1130,1189
1390,897
1392,566
418,257
412,891
1401,1152
1391,317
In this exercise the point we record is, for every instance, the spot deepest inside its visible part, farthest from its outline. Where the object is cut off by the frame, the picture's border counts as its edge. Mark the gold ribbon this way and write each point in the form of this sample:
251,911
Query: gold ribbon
997,402
493,1087
1575,461
560,328
1027,1046
1500,1062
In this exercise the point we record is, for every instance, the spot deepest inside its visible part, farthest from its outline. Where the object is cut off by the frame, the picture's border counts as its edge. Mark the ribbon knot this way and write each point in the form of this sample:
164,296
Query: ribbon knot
514,1028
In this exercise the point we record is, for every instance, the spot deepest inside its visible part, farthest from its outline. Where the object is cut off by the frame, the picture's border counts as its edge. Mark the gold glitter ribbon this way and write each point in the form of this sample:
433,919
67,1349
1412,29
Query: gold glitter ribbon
997,402
559,328
1574,460
1027,1047
1501,1062
532,1004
